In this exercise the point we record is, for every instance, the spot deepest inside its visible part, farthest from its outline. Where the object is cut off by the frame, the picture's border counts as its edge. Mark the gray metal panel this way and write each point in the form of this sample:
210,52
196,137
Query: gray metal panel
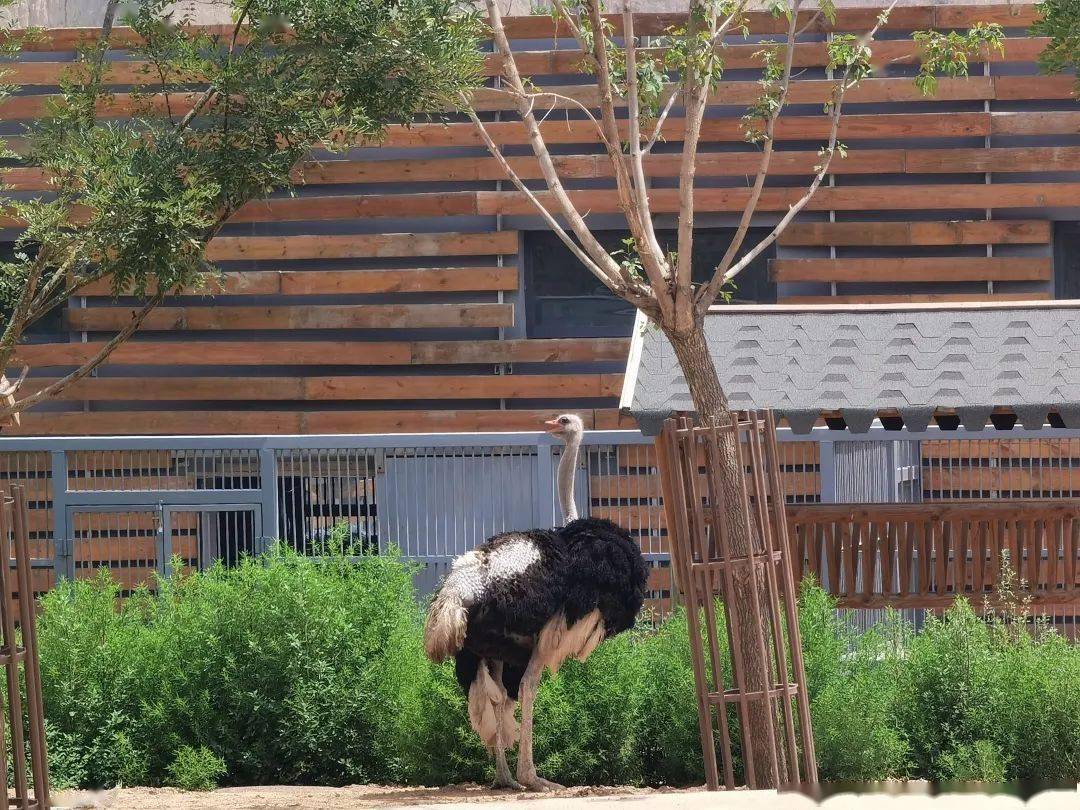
437,505
804,361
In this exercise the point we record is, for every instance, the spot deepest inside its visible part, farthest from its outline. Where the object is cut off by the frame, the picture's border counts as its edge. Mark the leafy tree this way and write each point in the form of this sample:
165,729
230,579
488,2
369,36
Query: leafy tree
1060,21
219,120
637,91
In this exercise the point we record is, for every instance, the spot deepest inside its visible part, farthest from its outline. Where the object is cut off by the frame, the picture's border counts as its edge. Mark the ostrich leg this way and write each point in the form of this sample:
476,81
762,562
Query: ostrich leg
526,770
503,777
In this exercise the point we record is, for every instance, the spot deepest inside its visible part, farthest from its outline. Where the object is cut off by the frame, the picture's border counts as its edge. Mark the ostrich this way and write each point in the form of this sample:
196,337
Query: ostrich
524,601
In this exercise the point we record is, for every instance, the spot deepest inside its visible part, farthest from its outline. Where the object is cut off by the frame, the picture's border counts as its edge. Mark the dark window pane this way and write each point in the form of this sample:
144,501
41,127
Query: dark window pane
563,299
1067,260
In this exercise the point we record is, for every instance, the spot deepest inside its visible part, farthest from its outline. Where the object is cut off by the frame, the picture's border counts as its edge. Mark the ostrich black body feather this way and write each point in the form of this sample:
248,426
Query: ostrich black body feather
589,564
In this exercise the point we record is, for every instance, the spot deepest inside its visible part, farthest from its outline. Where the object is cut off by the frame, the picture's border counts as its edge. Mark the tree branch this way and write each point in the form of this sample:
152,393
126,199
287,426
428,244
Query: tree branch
90,365
696,91
649,250
616,283
573,218
708,294
767,152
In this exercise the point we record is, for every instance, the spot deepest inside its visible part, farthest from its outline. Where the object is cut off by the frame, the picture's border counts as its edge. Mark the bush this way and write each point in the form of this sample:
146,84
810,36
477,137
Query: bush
291,670
196,768
288,669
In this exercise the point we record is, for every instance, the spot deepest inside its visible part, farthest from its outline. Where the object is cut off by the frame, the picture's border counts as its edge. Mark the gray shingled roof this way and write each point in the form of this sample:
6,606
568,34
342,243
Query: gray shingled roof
859,362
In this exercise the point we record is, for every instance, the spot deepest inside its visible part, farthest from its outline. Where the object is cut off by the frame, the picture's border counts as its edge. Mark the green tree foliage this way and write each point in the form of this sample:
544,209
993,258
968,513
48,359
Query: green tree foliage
220,119
293,670
1060,21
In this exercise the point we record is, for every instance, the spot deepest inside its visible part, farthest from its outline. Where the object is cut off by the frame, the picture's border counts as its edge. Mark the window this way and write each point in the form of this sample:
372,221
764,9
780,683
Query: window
563,299
1067,260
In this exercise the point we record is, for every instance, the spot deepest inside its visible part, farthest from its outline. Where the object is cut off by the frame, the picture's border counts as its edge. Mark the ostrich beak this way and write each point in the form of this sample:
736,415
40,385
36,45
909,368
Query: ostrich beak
553,426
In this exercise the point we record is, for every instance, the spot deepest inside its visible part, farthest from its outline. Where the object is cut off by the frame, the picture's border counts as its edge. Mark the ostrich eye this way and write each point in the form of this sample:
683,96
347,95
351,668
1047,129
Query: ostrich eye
564,421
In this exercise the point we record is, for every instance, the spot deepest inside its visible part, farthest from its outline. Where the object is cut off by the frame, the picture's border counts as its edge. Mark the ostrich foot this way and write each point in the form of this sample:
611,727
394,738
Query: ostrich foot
507,783
540,785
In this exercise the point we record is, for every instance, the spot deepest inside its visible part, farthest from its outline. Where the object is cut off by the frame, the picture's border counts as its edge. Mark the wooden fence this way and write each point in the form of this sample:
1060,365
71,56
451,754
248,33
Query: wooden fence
925,555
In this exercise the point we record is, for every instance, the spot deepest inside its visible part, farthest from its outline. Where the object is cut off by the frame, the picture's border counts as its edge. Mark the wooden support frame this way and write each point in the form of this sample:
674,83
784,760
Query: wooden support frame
706,571
18,649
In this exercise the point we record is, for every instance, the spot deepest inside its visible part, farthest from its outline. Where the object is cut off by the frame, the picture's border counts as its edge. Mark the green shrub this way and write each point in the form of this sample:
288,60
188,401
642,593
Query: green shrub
196,768
980,761
291,670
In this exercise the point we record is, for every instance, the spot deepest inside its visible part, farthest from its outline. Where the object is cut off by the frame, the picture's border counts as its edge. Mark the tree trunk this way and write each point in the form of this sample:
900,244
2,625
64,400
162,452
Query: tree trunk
752,619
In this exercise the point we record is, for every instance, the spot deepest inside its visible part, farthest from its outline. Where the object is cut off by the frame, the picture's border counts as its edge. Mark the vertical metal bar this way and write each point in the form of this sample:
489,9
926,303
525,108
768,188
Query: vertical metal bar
268,498
827,471
63,542
545,483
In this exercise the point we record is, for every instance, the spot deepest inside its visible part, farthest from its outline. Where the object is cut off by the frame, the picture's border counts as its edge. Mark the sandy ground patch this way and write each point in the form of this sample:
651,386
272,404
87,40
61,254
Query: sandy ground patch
368,797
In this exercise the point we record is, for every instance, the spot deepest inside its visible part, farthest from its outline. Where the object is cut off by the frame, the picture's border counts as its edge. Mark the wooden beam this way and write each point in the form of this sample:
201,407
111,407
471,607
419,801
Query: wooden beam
979,268
97,423
720,164
346,388
928,298
358,316
322,352
811,91
848,18
378,246
738,56
349,282
958,196
793,127
865,234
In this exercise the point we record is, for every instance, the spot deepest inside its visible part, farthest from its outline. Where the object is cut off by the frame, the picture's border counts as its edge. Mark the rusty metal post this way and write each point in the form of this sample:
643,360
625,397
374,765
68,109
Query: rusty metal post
707,567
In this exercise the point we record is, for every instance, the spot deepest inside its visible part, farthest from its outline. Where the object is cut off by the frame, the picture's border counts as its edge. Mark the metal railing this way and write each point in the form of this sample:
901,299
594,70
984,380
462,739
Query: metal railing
132,504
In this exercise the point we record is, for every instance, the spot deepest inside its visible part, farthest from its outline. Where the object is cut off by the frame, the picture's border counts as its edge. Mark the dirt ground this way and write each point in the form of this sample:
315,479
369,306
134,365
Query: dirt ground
375,797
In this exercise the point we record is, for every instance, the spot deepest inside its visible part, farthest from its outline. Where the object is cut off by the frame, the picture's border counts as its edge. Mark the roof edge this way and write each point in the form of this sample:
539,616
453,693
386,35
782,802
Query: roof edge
959,306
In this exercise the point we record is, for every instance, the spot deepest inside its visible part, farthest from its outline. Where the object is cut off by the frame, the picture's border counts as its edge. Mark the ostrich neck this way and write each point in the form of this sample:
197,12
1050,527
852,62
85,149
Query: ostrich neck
567,470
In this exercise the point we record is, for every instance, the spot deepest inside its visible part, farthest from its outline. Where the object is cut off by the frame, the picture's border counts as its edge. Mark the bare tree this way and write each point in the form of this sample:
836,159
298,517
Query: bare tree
638,92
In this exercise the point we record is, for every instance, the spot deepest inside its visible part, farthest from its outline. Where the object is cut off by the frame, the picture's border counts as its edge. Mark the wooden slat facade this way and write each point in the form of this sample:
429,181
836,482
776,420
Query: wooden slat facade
391,293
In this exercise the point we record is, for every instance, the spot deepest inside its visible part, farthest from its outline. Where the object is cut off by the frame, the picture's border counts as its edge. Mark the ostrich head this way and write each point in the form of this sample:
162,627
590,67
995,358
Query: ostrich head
568,426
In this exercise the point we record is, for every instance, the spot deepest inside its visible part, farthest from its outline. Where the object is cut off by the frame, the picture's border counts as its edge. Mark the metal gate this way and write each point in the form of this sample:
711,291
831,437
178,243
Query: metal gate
138,542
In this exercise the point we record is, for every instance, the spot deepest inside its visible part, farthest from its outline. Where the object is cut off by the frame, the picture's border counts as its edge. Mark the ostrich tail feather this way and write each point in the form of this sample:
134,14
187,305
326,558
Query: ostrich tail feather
444,631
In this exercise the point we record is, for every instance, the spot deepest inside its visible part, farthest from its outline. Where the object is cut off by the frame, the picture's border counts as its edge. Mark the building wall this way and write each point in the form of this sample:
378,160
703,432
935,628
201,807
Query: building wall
387,295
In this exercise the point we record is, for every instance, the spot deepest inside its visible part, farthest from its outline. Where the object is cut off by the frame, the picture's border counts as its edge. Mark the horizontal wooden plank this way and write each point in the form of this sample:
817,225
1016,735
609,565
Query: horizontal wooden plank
1031,449
838,198
873,234
794,127
738,56
359,316
349,282
97,423
902,18
919,298
398,387
937,196
848,18
805,91
709,164
314,353
978,268
377,246
737,93
1002,479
